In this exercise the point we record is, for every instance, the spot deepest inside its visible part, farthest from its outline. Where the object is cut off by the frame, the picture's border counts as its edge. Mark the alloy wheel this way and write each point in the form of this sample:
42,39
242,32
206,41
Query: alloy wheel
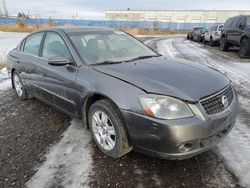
103,130
18,85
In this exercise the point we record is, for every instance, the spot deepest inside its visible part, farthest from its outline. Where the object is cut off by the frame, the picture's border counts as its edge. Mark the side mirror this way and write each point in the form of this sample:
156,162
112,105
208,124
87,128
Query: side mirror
241,26
59,61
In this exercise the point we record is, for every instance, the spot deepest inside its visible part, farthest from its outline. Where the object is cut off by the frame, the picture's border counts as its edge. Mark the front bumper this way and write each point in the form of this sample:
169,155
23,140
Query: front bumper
182,138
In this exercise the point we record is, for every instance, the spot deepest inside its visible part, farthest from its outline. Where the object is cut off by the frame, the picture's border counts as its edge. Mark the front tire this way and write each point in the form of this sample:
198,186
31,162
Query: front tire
108,129
244,50
18,86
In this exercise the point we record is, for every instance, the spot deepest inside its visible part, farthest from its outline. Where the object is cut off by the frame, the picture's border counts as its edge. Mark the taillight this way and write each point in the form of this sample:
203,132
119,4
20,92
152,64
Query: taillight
216,33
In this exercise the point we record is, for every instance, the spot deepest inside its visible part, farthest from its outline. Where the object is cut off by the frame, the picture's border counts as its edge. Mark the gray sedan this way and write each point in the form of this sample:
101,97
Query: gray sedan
129,96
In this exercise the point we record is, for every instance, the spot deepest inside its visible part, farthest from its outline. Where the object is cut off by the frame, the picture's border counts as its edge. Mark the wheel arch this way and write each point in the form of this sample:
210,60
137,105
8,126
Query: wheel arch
12,72
90,100
243,37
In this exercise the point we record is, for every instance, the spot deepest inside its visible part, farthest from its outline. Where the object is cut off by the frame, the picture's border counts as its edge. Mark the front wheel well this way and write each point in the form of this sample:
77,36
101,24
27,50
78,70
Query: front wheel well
12,71
91,99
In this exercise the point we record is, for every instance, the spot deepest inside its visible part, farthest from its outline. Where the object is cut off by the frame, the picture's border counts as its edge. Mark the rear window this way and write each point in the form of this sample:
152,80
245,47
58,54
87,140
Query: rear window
220,27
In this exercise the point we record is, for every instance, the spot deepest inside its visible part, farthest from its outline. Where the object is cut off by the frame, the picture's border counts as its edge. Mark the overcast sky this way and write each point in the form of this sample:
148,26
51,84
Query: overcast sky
95,9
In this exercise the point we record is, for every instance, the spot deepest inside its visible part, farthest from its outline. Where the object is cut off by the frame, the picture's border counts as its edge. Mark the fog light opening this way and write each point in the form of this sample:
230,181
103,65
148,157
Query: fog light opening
185,147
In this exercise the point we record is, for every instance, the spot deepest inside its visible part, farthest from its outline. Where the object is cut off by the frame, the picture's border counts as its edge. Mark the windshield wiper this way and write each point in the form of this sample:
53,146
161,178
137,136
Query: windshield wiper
107,62
142,57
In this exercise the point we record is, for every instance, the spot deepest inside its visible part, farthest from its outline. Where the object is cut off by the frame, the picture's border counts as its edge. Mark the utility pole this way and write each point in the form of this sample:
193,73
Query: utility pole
5,10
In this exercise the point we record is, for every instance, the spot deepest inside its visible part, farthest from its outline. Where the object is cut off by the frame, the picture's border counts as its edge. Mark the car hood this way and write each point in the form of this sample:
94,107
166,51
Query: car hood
181,79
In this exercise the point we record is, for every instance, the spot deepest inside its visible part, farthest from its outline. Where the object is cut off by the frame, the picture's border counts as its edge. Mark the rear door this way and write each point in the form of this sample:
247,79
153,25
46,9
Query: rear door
27,60
233,30
57,82
240,29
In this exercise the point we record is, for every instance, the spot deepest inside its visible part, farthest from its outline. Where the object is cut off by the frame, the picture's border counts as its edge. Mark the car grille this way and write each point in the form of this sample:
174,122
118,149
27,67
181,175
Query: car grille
213,104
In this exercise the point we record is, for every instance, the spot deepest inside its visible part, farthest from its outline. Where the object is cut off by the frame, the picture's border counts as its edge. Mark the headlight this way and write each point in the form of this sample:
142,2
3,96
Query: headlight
164,107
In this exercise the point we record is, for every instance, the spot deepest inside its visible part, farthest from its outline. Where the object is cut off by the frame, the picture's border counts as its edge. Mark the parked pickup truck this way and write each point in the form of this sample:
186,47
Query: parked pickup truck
236,32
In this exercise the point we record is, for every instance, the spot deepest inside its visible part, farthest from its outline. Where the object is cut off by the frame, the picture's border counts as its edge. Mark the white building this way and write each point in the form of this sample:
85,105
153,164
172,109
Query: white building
179,16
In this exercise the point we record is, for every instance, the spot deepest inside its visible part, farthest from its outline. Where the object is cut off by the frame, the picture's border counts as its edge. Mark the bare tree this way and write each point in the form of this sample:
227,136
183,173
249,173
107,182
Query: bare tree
51,22
1,13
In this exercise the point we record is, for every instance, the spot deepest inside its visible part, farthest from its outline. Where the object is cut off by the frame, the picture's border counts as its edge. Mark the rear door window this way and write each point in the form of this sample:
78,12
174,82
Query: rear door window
241,21
235,22
228,22
32,44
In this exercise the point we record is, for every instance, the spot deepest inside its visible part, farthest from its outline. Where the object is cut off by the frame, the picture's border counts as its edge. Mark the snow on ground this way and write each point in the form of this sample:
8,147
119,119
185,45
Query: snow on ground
6,44
68,163
235,148
8,41
5,82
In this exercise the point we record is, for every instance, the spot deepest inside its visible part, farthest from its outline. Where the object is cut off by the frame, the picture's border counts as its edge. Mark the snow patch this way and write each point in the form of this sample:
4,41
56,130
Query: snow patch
8,41
235,149
68,163
5,82
165,47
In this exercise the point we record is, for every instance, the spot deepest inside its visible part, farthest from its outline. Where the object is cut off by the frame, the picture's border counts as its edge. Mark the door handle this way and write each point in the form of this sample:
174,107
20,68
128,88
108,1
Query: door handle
17,59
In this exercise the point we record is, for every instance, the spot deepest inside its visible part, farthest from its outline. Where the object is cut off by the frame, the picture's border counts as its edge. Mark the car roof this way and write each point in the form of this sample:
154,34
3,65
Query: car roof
198,27
70,29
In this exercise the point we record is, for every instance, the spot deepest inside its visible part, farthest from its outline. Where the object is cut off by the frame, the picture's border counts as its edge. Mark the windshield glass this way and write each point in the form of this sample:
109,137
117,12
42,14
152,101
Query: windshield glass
108,46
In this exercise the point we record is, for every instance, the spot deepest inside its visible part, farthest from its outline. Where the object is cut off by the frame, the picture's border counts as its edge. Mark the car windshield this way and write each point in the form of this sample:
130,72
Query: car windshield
109,47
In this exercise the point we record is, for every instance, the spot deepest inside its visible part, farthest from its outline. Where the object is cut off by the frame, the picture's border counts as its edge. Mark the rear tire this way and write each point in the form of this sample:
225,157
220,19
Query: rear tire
244,50
19,86
224,45
204,41
211,42
108,129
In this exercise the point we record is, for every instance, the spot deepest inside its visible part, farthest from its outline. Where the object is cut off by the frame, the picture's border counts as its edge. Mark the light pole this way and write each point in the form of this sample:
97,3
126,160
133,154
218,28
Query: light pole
5,10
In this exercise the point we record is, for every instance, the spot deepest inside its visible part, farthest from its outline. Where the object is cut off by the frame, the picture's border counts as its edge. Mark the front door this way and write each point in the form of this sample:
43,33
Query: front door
57,82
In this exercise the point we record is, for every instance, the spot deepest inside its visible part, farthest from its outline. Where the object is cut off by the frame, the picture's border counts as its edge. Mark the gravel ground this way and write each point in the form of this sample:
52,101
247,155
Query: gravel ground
138,170
27,129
